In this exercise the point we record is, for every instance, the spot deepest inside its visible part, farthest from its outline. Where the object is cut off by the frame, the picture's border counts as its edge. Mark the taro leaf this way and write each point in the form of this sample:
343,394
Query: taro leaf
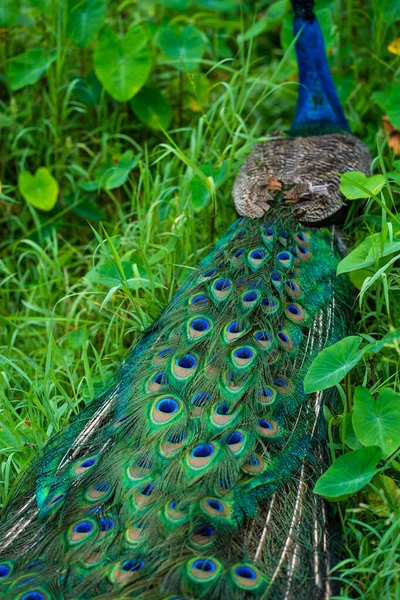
9,10
368,252
349,473
348,435
183,48
27,68
87,91
377,422
272,17
85,18
40,189
352,182
152,107
200,191
118,175
332,364
122,64
390,338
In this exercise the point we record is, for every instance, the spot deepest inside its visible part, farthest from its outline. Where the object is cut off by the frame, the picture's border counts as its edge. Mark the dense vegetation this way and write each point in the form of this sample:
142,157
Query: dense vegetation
138,115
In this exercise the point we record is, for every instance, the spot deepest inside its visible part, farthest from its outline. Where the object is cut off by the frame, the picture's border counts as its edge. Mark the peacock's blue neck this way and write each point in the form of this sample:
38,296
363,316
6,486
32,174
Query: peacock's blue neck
318,105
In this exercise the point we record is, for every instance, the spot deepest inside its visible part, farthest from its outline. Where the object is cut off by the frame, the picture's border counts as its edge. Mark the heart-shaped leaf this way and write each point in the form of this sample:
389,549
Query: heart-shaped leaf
355,185
118,175
26,69
349,473
183,48
332,364
9,10
151,107
85,18
377,422
40,189
371,249
122,64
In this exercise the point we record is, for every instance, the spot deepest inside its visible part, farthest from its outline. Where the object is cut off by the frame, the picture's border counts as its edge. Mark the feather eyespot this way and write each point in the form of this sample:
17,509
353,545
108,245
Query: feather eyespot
235,442
247,578
198,301
6,568
203,570
208,274
184,366
304,253
165,410
285,341
33,595
295,313
98,491
253,465
201,455
282,385
243,356
267,395
267,427
199,327
202,535
302,238
285,259
293,288
132,565
82,531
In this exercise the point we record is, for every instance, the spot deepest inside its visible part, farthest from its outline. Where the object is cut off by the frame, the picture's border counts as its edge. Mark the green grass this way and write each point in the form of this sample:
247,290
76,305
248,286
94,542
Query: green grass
80,283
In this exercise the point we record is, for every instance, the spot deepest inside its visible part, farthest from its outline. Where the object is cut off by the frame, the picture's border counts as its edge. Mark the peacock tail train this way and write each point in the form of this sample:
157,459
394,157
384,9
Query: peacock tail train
192,476
153,490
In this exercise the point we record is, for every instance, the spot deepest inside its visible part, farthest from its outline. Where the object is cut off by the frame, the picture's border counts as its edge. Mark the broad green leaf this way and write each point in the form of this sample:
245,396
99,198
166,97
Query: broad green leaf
87,91
201,194
122,64
332,364
26,69
118,175
272,17
42,5
370,250
85,18
355,185
183,48
152,107
40,189
349,473
377,422
348,435
9,10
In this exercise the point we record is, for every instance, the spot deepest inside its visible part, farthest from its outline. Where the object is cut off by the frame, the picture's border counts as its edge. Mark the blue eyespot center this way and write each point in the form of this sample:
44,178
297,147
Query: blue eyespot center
215,505
301,237
34,595
243,353
87,463
159,378
83,527
147,490
209,273
294,310
106,523
222,285
202,451
103,486
4,571
262,336
283,337
205,531
200,325
208,566
222,409
186,362
250,297
165,352
257,254
264,424
284,235
199,299
168,406
269,231
238,252
246,572
234,438
280,382
276,277
132,565
302,249
283,256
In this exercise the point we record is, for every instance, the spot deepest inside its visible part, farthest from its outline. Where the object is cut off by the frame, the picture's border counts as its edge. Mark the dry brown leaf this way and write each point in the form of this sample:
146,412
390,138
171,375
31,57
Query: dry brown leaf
393,135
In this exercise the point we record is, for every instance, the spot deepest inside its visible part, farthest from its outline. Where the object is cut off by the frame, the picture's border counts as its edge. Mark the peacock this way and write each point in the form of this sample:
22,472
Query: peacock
192,476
